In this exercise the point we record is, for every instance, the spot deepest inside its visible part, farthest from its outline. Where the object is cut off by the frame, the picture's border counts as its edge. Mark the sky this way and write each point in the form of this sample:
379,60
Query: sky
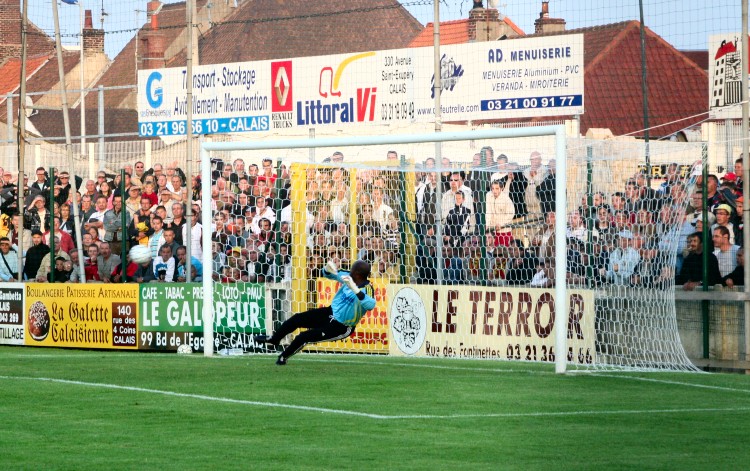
684,23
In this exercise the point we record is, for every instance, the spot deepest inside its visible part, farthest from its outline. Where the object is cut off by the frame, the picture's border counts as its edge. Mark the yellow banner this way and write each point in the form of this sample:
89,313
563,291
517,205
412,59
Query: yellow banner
86,315
371,335
493,323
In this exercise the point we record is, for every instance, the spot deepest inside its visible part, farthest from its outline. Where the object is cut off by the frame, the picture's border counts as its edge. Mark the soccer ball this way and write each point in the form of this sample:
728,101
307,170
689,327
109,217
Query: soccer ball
184,349
140,254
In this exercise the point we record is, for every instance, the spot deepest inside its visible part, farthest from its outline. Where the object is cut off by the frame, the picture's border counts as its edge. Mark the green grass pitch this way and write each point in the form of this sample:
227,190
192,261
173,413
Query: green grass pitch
74,409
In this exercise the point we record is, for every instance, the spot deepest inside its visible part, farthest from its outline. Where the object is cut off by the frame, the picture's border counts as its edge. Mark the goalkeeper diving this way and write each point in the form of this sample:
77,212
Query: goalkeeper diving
353,299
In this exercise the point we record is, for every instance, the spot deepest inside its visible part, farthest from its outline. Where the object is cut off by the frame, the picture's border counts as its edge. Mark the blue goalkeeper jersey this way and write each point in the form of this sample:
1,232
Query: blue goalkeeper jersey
346,306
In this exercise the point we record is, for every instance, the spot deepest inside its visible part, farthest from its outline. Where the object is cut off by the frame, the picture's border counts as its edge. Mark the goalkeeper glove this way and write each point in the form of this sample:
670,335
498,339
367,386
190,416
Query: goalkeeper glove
350,283
331,268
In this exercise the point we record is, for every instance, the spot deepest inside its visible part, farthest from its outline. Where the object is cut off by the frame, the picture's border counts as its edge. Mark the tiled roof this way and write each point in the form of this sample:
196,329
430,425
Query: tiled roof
453,32
677,87
269,29
45,78
10,73
48,75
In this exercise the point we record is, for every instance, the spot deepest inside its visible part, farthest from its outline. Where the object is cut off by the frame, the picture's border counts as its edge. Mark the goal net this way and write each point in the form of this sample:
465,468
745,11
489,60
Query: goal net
507,244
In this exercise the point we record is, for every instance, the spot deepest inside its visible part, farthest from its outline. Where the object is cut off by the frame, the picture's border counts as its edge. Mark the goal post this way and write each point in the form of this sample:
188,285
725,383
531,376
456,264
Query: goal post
518,244
558,131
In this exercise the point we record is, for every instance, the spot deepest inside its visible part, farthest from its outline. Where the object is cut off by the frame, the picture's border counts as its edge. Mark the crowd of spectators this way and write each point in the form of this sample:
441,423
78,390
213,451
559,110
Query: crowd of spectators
494,222
153,205
643,235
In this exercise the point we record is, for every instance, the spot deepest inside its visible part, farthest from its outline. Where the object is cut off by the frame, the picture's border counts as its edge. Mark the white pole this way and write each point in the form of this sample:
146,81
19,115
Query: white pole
561,259
189,144
437,85
68,145
208,282
22,132
379,140
437,88
82,79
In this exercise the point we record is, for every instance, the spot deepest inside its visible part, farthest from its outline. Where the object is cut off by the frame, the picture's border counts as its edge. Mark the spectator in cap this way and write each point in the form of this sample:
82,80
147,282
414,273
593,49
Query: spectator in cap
9,263
729,177
133,202
36,216
723,214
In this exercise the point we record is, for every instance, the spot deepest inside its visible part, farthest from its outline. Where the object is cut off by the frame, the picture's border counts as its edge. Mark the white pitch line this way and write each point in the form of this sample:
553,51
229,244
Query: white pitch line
676,383
196,396
375,416
527,372
440,367
416,365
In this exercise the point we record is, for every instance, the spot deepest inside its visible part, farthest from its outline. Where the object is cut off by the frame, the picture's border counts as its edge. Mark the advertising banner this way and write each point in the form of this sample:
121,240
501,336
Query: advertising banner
11,314
371,334
518,78
725,76
81,316
492,323
172,315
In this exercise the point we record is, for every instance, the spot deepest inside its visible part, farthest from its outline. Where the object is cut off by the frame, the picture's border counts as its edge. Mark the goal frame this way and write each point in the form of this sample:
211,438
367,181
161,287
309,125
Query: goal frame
558,131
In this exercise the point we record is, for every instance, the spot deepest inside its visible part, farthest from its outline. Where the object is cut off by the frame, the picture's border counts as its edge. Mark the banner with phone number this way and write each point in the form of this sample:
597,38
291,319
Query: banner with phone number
11,314
81,316
488,323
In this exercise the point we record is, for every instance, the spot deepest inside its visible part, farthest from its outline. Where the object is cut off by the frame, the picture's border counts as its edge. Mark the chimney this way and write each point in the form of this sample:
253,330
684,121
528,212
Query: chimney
93,39
484,23
153,41
544,24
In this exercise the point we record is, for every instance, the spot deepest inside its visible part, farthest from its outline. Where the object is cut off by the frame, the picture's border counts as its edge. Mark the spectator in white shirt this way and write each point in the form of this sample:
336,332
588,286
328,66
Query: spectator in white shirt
725,251
262,211
500,212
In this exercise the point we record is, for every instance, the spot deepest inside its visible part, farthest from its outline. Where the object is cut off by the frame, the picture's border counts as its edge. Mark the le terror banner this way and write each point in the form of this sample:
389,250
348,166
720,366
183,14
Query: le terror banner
516,78
493,323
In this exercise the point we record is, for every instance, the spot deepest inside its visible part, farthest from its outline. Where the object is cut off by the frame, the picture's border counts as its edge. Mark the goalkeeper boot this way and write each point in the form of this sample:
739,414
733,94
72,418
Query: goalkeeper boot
281,361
